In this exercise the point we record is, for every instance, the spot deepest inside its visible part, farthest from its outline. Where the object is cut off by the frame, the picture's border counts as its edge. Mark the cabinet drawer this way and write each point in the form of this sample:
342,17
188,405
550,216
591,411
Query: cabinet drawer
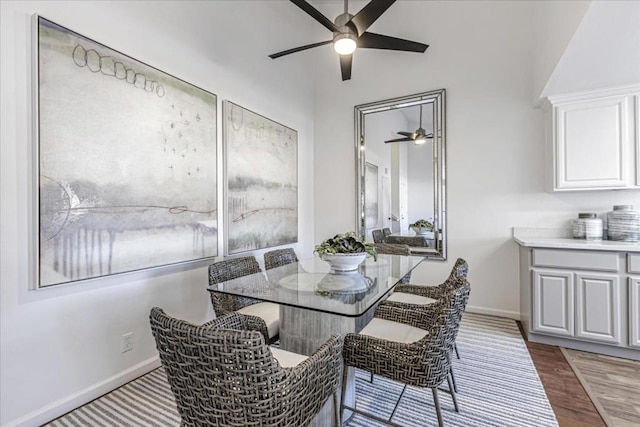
633,263
577,260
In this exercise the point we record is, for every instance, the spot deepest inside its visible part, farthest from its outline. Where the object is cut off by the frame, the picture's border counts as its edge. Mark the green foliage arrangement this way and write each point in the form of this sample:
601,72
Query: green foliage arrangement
422,223
347,243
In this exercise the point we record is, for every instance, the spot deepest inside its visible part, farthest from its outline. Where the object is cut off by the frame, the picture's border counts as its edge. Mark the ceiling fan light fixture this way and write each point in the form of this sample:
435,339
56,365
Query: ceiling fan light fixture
420,140
345,44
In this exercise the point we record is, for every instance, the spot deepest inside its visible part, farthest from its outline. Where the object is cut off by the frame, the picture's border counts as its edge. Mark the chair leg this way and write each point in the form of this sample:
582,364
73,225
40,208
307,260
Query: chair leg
436,402
345,372
455,347
371,379
336,409
453,380
453,393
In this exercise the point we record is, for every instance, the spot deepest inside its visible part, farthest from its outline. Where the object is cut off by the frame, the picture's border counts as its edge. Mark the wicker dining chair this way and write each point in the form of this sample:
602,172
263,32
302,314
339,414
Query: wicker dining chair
386,231
279,257
267,312
409,346
223,373
378,236
421,296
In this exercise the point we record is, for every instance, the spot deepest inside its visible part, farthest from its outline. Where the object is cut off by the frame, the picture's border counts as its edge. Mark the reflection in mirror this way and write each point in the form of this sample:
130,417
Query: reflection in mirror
400,145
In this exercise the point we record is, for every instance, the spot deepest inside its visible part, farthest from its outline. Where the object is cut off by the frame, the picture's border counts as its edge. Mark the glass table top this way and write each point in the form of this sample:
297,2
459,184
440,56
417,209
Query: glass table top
311,284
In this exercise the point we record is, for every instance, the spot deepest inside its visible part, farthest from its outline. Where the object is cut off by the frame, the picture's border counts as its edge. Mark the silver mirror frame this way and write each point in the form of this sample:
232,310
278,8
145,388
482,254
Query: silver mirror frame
437,98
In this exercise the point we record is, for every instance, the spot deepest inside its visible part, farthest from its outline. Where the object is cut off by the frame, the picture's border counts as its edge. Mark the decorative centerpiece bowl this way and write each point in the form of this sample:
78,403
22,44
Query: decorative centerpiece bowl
344,262
344,252
421,227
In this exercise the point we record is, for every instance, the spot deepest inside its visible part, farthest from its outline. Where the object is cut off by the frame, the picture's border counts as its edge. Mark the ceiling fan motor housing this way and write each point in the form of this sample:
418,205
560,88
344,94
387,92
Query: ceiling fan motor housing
346,32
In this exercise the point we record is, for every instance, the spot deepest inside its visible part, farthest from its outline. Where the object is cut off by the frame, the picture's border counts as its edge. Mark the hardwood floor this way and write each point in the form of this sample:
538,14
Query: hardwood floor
614,384
569,401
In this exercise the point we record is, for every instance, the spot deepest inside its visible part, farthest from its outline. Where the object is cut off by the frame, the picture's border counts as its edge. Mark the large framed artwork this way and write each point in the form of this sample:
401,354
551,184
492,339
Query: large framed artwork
126,162
371,195
261,174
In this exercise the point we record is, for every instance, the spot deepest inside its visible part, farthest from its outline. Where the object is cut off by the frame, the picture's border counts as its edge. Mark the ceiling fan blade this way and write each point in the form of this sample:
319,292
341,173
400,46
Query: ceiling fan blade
368,15
345,66
315,14
298,49
411,135
399,140
379,41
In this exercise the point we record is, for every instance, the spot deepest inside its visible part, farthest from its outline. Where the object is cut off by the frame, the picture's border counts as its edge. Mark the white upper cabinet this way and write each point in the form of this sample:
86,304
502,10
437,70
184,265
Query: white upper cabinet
593,140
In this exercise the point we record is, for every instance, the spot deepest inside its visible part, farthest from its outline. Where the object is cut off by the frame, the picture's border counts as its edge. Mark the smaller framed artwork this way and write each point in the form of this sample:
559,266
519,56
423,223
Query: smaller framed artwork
261,181
371,195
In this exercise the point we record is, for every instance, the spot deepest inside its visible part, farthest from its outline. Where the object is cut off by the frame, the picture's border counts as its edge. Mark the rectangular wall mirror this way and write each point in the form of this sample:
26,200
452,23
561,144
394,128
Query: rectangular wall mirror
400,155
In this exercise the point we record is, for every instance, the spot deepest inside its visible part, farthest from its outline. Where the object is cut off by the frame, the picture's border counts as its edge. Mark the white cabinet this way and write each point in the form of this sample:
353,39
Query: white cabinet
577,294
593,140
598,307
553,302
634,312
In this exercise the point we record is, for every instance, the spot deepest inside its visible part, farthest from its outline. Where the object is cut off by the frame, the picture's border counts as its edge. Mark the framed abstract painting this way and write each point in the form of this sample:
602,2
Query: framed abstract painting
261,181
126,162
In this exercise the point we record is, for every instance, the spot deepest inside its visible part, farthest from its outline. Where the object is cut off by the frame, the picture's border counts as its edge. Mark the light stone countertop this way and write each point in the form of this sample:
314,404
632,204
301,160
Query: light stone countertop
560,239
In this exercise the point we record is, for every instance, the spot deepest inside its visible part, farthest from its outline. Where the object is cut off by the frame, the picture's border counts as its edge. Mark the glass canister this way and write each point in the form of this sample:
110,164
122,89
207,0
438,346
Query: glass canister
623,224
580,225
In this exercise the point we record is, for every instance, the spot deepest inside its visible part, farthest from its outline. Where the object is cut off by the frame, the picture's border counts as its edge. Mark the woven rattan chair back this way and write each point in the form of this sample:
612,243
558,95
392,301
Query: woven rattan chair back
461,297
459,271
222,374
230,269
279,257
392,248
378,236
386,232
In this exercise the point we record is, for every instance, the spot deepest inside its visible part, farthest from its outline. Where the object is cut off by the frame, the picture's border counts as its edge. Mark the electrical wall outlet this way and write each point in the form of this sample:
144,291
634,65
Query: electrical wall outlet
126,344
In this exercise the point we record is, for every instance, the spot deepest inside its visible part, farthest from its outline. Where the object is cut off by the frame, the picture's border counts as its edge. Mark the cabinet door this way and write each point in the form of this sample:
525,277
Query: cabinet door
552,302
634,312
598,307
591,141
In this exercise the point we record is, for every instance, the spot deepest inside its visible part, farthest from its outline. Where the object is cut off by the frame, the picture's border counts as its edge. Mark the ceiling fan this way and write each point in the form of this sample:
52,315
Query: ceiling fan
420,136
350,32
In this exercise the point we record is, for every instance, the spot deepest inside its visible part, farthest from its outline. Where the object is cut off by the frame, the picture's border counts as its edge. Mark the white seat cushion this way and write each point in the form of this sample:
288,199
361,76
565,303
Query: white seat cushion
287,359
269,312
410,299
393,331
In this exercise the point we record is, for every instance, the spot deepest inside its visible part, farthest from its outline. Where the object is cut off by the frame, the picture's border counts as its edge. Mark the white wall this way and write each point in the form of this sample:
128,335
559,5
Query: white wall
481,54
61,346
554,24
604,52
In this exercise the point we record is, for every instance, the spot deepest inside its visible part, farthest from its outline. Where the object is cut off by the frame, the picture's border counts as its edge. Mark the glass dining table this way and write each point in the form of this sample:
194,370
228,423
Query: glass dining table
316,302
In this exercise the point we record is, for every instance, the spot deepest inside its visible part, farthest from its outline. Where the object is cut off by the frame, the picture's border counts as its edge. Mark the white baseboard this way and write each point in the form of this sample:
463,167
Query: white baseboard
64,405
515,315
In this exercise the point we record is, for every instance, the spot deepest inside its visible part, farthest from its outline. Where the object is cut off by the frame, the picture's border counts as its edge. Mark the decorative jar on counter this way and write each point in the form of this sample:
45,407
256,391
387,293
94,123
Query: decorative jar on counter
579,225
623,224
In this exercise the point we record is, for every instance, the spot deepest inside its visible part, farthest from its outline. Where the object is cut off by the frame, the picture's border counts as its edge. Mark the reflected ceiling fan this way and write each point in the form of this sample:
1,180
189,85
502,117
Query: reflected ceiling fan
420,136
350,32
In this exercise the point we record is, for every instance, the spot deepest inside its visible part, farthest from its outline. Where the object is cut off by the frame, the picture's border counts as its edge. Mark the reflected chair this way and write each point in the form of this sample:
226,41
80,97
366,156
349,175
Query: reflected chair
378,236
386,231
267,312
394,249
279,257
223,373
409,346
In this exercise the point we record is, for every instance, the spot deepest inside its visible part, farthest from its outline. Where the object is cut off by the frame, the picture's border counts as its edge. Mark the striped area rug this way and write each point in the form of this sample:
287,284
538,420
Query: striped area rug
498,385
